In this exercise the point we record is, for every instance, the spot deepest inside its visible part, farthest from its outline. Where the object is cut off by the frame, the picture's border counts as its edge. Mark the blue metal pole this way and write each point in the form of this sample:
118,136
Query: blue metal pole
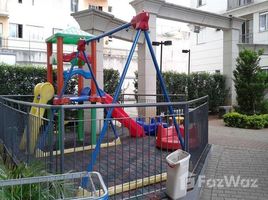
109,114
163,86
92,75
124,26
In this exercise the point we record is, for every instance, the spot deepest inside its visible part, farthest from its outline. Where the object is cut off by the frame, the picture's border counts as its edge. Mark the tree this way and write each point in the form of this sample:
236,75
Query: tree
250,82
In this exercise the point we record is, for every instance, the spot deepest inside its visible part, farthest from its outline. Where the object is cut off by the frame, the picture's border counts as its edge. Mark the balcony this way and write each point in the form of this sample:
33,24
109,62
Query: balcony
232,4
3,8
246,38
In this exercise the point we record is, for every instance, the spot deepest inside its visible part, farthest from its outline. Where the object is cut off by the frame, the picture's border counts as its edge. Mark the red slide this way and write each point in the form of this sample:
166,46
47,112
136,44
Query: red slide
119,114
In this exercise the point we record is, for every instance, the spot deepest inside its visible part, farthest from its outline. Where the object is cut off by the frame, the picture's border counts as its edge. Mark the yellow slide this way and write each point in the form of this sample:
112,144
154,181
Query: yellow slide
43,92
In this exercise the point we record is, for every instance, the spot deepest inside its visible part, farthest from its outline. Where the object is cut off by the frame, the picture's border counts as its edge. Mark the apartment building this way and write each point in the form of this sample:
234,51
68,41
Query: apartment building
206,43
25,24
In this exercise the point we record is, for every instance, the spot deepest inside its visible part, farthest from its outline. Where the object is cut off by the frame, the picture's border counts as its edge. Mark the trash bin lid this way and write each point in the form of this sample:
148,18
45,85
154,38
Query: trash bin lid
177,157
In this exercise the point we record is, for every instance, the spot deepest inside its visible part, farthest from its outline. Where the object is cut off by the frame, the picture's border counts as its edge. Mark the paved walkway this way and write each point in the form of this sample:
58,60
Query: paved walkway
238,165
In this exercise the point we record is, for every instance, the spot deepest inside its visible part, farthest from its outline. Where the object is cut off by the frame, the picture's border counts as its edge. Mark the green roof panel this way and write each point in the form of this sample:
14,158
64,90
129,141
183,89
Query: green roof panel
70,36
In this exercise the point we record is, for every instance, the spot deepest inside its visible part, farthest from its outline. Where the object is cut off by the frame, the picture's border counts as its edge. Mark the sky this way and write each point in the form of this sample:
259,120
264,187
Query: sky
125,11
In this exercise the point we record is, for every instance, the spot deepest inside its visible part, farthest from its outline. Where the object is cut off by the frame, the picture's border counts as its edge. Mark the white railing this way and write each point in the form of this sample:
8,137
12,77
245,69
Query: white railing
238,3
246,38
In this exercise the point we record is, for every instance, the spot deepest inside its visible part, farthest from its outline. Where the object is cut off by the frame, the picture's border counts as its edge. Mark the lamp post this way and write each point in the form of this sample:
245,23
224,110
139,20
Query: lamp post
165,43
189,58
189,70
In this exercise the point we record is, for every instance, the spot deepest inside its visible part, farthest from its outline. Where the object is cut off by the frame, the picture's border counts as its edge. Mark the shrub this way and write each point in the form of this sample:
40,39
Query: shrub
20,80
250,82
199,84
45,191
238,120
110,80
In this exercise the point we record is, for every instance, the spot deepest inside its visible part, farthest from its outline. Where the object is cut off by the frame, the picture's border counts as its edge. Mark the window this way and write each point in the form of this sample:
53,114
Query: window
74,5
34,33
201,3
264,21
19,1
244,2
110,9
201,36
16,30
95,7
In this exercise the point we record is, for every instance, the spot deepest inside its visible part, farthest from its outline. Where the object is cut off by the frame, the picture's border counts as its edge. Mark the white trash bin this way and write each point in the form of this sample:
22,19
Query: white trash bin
177,173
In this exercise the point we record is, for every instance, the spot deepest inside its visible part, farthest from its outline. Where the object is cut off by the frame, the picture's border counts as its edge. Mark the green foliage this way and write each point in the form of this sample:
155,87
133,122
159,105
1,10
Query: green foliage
238,120
264,107
46,191
250,82
110,80
20,80
199,84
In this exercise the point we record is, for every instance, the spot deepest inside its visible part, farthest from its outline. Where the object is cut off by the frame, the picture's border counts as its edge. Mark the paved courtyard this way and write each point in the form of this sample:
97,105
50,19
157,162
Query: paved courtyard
238,164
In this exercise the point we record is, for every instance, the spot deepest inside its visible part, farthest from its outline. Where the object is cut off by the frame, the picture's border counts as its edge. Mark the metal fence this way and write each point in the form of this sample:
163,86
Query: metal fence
63,186
64,140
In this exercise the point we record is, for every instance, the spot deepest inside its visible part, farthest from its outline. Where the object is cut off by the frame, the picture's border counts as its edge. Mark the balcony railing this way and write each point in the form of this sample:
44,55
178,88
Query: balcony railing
246,38
238,3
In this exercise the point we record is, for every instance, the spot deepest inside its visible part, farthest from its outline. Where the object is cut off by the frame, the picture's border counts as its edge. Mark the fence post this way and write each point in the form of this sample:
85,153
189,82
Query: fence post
28,118
186,126
62,136
50,138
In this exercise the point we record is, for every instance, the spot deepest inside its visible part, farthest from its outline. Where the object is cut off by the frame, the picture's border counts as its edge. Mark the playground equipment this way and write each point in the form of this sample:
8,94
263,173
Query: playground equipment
151,129
167,137
93,94
43,92
140,24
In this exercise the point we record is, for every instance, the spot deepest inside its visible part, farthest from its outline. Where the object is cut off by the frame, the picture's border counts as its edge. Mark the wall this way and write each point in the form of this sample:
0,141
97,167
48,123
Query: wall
207,47
207,55
216,6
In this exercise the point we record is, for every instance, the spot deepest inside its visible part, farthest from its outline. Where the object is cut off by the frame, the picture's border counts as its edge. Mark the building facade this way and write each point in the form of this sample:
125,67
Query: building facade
25,24
206,43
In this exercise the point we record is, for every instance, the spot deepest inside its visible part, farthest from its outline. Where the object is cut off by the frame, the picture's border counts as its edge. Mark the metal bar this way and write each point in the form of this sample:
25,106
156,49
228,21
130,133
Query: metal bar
50,138
113,105
109,114
124,26
92,75
163,86
67,79
28,138
186,127
62,136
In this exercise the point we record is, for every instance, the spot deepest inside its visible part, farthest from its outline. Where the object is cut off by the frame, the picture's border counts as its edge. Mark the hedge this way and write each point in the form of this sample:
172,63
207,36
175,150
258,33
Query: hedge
238,120
199,84
20,80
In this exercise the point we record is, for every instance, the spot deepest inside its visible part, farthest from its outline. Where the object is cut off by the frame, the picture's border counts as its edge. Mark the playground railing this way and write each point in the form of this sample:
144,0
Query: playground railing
63,186
130,166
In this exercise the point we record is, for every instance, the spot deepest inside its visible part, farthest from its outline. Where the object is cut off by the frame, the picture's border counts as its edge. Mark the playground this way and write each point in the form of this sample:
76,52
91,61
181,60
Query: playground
92,131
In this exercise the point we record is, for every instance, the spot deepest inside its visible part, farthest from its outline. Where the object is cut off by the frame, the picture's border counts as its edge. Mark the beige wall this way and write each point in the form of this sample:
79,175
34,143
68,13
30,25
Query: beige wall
4,21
